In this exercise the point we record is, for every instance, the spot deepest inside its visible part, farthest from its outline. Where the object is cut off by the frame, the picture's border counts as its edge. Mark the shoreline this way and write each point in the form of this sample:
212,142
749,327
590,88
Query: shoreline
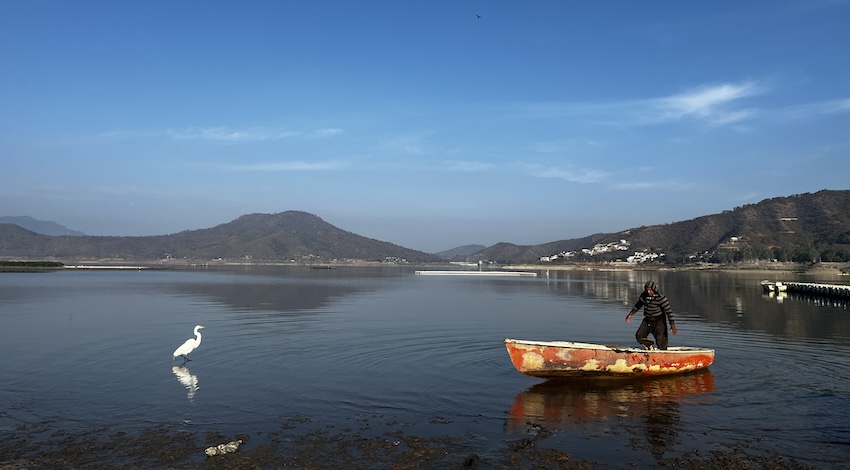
302,443
825,268
840,269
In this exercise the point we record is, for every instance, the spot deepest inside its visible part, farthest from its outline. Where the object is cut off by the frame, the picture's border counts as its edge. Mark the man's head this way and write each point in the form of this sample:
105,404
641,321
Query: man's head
650,288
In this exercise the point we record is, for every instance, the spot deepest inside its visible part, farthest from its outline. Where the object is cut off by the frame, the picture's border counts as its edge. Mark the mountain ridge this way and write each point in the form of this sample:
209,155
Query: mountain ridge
43,227
805,227
460,252
291,236
802,228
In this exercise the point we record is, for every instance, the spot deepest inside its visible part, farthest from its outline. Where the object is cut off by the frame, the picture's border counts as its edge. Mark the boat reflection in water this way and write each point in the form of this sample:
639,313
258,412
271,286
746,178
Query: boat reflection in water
187,380
564,404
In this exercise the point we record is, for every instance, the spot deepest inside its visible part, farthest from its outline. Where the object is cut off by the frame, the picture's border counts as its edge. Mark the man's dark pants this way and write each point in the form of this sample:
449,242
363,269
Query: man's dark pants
658,328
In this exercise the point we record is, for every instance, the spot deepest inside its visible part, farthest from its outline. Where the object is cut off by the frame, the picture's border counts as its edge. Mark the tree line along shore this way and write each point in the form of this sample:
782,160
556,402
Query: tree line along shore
825,268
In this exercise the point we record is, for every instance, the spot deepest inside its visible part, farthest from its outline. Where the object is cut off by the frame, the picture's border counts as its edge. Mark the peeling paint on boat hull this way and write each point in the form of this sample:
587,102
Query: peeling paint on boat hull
568,359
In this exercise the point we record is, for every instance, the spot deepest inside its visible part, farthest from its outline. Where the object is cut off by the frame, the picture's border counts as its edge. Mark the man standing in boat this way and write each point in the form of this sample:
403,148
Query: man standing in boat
656,314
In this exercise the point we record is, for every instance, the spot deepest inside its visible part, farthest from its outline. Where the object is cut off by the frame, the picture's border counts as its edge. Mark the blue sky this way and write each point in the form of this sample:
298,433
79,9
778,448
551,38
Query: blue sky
417,122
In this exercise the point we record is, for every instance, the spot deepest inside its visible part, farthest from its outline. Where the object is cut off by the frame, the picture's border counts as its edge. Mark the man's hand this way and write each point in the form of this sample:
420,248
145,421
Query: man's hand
672,328
629,317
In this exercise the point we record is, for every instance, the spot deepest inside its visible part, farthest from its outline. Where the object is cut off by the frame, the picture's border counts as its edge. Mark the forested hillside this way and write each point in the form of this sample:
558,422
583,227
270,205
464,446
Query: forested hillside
802,228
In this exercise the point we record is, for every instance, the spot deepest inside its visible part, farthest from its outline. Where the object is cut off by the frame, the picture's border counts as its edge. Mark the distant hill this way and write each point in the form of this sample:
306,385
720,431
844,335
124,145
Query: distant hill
801,228
508,253
40,226
287,236
460,252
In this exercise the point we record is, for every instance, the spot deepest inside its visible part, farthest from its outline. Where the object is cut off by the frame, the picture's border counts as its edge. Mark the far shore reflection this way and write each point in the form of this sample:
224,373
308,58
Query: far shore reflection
285,296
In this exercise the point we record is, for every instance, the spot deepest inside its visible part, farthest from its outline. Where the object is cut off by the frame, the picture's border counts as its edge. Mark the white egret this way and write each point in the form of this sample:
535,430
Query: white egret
190,345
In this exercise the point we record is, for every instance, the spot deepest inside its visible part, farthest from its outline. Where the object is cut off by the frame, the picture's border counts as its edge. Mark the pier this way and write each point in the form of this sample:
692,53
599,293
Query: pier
96,266
809,288
475,273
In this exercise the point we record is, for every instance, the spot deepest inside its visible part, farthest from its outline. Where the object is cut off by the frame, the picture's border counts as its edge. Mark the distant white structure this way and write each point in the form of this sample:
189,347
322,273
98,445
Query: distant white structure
643,257
563,254
599,248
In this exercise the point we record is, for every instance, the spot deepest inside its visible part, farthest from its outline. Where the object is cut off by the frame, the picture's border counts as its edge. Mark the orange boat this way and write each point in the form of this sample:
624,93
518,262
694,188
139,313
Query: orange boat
554,359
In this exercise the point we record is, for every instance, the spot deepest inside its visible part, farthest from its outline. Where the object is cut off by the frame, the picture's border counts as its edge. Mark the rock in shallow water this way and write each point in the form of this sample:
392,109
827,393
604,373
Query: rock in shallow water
222,449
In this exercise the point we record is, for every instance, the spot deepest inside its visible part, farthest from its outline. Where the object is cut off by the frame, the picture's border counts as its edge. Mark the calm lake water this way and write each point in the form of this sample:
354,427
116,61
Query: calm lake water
83,350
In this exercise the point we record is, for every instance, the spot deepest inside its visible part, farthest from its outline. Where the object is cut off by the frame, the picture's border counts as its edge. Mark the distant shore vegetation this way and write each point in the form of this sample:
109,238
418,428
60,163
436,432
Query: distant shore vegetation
31,264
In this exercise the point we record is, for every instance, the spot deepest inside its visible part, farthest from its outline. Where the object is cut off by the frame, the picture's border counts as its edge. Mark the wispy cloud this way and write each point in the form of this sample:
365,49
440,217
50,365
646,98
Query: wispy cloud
122,134
253,134
295,165
91,192
126,190
710,104
714,105
568,173
559,146
410,143
319,133
105,137
666,185
811,110
470,166
640,185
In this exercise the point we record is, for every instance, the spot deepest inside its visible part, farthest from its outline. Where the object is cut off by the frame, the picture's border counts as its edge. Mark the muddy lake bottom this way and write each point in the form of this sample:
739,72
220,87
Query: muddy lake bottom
369,443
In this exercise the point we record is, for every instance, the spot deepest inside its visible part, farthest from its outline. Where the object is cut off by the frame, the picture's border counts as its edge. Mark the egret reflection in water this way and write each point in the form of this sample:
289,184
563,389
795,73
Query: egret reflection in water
187,380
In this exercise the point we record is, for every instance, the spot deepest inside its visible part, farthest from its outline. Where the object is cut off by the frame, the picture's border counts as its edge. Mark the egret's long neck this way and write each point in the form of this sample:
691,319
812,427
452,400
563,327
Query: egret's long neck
197,337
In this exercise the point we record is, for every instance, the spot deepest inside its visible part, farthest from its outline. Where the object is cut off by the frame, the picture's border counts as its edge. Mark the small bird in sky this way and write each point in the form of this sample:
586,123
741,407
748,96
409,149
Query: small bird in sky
478,16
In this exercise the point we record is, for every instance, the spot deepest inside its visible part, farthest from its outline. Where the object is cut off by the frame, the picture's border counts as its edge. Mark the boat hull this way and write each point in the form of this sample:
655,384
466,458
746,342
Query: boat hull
554,359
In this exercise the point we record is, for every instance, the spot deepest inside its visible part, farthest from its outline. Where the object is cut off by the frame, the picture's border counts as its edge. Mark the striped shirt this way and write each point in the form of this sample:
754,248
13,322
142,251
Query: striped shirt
653,306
